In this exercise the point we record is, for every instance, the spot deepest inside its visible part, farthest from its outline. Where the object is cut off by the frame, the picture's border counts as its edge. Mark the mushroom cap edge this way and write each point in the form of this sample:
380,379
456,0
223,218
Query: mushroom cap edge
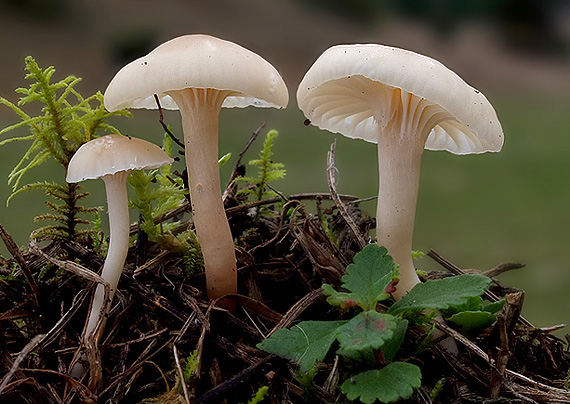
197,61
110,154
476,128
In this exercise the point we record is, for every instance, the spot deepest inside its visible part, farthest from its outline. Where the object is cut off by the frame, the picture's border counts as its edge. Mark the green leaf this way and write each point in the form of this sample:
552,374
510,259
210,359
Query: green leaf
259,395
366,279
224,159
305,343
440,294
368,330
396,380
471,304
391,346
495,307
473,321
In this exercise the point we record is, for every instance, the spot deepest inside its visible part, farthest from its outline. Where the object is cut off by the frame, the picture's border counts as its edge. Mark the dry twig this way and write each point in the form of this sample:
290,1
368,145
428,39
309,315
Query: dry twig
341,208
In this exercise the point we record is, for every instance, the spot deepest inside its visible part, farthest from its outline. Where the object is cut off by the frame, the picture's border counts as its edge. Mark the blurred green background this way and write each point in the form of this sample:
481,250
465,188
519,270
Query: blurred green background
477,211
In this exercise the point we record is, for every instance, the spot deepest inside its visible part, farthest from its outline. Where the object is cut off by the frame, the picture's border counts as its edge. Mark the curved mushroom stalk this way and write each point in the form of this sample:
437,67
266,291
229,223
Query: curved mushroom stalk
199,109
111,158
119,223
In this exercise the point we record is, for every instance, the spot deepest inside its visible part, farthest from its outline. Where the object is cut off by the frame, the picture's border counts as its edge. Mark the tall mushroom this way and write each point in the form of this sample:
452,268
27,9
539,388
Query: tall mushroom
111,158
200,74
404,102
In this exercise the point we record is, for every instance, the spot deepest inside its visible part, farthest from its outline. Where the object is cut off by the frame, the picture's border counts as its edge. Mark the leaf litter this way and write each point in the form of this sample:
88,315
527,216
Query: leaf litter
161,320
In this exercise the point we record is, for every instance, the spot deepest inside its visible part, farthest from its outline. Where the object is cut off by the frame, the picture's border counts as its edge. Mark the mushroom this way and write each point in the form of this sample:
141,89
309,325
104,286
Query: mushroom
200,74
404,102
111,158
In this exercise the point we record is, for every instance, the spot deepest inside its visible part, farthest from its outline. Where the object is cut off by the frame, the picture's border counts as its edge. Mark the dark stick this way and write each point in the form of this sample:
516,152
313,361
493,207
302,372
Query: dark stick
140,245
234,174
303,196
341,207
164,126
17,254
216,394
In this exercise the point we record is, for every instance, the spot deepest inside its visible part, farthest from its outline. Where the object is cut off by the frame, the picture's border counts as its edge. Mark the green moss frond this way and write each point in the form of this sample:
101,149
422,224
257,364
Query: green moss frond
267,172
67,120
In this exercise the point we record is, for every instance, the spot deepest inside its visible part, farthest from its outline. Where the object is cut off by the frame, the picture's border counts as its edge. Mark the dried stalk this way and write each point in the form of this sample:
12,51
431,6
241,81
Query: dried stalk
231,182
181,374
341,208
17,254
30,346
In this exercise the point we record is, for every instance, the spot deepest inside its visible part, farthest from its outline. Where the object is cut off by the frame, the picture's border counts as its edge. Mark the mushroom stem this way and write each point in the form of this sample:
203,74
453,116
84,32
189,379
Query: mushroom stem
399,176
199,109
118,210
401,142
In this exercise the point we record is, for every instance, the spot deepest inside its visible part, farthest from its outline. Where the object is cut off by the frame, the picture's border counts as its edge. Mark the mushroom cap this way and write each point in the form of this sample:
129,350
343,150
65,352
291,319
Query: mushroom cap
111,154
332,101
197,61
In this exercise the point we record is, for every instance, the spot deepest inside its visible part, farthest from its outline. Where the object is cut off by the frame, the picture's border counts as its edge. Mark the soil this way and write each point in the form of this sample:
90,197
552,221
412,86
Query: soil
160,316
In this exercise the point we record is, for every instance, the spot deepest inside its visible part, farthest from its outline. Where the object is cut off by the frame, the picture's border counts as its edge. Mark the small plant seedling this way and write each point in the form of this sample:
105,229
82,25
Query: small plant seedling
67,121
259,395
372,338
155,193
267,171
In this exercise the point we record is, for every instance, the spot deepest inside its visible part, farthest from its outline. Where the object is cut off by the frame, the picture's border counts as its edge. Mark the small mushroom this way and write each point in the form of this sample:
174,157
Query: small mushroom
200,74
111,158
404,102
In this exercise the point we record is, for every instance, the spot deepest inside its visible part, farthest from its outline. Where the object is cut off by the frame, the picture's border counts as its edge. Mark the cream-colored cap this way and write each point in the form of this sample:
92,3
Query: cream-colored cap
197,61
111,154
355,90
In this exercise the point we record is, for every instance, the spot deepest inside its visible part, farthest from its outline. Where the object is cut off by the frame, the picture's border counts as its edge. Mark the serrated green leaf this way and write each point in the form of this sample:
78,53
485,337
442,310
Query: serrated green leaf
473,321
366,279
304,343
368,330
396,380
440,294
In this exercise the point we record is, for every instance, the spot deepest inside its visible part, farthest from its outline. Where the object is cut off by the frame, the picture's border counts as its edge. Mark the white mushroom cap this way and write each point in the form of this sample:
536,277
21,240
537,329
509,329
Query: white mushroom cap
197,61
111,154
353,90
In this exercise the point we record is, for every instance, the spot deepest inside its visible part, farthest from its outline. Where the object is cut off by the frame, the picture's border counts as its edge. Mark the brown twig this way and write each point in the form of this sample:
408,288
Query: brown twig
479,352
164,126
52,334
200,344
235,170
295,311
501,268
506,320
245,206
216,394
157,260
146,355
181,374
338,202
30,346
17,254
